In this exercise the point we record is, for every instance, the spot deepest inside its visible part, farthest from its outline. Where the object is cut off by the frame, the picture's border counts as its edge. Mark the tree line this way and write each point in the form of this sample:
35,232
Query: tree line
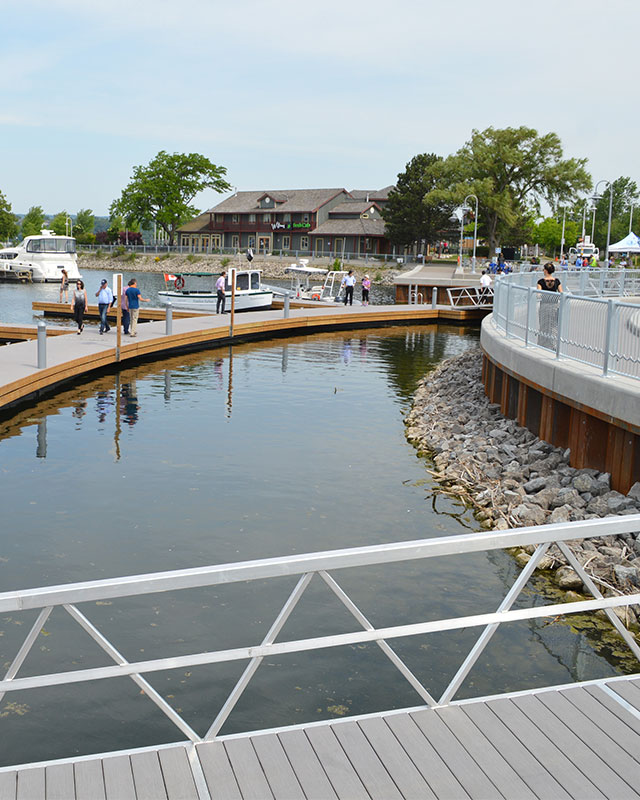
513,173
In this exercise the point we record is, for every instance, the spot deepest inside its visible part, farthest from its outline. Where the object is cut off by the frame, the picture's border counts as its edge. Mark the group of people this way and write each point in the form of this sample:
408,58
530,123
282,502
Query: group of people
348,284
129,305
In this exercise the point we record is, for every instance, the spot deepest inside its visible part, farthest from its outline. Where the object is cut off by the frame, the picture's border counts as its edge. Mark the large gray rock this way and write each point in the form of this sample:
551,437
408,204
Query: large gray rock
535,485
530,514
561,514
583,483
568,579
626,576
634,491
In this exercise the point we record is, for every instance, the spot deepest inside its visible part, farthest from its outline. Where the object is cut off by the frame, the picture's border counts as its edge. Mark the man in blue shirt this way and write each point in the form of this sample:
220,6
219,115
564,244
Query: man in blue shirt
105,298
134,296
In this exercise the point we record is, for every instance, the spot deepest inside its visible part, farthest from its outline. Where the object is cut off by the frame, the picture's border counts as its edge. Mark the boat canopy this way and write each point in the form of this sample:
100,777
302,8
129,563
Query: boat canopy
296,270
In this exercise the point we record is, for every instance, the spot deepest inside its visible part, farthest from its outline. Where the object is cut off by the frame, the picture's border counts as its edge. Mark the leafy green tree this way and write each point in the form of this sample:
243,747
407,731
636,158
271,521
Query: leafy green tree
8,220
625,192
511,170
408,219
33,221
162,191
548,234
85,221
60,224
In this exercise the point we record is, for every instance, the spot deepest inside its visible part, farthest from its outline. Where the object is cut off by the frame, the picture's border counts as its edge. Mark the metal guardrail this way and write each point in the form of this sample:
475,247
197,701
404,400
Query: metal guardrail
588,322
305,567
470,296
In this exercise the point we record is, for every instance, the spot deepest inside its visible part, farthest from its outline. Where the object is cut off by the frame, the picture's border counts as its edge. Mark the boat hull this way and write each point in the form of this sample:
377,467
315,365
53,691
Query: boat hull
207,301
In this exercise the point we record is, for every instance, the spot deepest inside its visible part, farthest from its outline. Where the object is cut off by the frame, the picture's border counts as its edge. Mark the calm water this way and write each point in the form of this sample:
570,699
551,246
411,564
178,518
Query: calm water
274,449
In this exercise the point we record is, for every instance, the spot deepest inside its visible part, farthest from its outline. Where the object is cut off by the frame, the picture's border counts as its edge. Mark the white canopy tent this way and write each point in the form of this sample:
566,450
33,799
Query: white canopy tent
630,244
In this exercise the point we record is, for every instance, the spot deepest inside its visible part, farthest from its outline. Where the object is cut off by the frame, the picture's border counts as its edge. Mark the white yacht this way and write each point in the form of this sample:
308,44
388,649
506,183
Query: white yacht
41,257
250,293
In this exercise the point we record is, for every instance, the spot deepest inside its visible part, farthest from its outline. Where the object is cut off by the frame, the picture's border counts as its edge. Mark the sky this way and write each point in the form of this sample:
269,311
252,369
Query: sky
287,95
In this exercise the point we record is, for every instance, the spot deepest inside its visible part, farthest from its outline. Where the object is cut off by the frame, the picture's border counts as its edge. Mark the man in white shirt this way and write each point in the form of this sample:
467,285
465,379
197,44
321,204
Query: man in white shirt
105,298
348,282
485,283
220,289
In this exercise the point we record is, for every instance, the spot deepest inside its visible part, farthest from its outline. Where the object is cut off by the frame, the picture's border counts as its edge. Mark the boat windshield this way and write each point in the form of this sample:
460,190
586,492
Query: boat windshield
50,244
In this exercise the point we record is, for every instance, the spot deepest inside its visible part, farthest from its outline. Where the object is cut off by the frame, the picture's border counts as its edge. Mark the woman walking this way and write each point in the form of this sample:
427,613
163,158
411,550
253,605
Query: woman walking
548,311
64,285
366,286
79,305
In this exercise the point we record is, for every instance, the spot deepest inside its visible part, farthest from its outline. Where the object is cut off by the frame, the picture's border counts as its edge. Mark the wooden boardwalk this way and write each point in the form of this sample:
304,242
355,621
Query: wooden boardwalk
580,742
71,356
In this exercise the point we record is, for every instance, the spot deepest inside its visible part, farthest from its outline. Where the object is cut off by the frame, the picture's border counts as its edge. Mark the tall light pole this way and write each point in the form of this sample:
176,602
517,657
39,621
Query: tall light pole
564,217
631,216
475,230
596,197
68,222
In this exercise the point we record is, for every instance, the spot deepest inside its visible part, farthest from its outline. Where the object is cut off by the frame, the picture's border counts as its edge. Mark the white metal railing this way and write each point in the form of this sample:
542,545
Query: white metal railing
305,567
470,296
588,322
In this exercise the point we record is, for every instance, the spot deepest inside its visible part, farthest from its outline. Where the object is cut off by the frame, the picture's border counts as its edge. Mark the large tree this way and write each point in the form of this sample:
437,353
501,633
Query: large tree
8,220
625,194
85,221
511,171
33,221
60,224
162,191
408,219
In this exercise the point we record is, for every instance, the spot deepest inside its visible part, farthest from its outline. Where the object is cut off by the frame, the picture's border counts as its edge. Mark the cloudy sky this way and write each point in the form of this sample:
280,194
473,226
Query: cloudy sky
293,95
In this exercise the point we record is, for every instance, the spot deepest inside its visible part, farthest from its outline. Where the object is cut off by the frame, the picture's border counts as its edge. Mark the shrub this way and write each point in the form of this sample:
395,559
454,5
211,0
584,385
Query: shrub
377,277
131,257
335,265
118,251
224,262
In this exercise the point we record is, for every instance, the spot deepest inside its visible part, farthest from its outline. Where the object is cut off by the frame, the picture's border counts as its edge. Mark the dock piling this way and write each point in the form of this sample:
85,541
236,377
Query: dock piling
42,344
434,297
168,326
286,305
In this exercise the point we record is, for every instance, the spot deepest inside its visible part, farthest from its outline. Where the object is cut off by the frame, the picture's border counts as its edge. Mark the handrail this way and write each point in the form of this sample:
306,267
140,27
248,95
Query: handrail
306,566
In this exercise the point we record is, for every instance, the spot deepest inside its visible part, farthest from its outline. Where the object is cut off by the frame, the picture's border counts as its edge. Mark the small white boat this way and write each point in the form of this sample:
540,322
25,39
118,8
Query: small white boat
250,294
305,283
42,257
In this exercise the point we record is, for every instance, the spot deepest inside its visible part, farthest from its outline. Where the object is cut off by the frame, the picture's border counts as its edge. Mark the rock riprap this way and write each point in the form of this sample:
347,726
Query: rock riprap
513,479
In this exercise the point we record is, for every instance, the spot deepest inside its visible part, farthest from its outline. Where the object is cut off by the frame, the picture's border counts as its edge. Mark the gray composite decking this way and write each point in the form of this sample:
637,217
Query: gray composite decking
580,742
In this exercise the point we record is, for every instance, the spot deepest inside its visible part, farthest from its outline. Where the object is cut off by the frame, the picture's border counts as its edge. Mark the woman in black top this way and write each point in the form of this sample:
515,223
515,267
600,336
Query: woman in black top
548,311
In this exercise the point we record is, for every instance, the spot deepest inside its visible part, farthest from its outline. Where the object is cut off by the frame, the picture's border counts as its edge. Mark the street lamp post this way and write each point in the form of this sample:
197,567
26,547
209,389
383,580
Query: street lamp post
631,216
68,223
475,229
564,217
596,197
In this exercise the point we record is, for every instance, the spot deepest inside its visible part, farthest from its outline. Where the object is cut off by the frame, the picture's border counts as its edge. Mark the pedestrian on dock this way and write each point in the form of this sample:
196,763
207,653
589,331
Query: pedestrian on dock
366,286
134,296
549,306
64,285
124,307
79,305
220,291
348,282
105,298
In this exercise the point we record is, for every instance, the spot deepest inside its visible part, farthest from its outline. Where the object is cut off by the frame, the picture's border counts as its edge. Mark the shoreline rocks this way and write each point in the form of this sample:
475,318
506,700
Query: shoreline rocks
513,479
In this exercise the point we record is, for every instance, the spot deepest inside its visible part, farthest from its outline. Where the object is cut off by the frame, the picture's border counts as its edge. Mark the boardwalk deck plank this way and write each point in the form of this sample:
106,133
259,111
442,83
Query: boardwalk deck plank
147,776
176,771
118,778
489,759
366,763
308,769
280,775
627,691
346,783
546,751
31,784
431,765
532,771
404,772
247,769
468,773
217,771
8,785
59,782
586,759
89,780
618,710
615,730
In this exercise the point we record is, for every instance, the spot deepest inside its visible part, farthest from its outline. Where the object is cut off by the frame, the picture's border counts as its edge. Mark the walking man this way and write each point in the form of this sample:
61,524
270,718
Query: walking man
124,306
105,298
134,296
220,290
348,282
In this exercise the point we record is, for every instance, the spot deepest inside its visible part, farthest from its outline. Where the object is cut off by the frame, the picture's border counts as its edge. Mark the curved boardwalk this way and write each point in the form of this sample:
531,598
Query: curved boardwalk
71,356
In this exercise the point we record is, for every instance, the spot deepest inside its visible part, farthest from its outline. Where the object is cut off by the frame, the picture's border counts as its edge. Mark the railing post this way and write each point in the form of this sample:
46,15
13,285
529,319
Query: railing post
168,323
528,321
42,344
583,281
562,315
608,335
286,305
434,297
507,310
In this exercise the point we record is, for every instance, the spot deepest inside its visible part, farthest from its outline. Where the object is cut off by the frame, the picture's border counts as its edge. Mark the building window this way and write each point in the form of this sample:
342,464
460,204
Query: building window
219,218
286,243
305,218
251,242
235,219
252,219
286,218
266,217
215,241
235,241
304,242
185,241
